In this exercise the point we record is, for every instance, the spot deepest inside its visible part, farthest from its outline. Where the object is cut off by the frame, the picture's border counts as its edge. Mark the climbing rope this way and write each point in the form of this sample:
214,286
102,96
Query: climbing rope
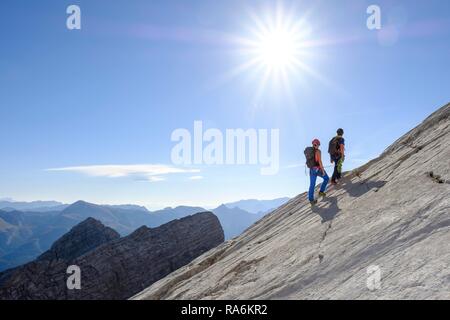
306,182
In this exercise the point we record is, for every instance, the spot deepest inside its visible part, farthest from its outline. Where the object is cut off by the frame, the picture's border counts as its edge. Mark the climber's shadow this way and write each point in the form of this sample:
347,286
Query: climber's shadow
357,189
327,212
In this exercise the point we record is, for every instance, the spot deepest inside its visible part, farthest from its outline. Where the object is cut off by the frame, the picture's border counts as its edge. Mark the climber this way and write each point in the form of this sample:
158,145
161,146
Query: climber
314,163
336,149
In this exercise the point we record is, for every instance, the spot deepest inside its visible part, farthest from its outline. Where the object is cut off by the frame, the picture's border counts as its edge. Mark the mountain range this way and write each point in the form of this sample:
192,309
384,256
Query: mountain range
110,266
257,206
27,233
8,204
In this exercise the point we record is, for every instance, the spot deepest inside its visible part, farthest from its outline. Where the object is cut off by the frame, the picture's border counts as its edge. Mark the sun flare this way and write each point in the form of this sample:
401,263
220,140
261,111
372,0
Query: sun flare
277,52
277,43
277,49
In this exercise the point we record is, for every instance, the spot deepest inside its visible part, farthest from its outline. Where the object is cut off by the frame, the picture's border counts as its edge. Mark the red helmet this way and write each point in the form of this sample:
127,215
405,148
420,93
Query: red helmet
316,142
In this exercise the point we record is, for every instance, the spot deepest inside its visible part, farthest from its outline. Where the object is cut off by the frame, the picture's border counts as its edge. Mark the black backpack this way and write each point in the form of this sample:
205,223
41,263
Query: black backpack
334,146
310,155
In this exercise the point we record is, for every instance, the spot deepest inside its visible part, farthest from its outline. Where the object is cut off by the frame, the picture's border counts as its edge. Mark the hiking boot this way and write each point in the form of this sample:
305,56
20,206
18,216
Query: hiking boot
313,202
322,194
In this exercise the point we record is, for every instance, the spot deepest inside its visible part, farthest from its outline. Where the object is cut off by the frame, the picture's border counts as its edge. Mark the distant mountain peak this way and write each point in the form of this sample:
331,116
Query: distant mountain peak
85,236
258,206
128,207
82,203
141,231
81,206
88,222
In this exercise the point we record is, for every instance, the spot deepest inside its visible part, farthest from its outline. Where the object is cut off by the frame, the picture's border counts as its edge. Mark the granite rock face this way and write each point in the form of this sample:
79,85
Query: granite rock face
116,269
384,233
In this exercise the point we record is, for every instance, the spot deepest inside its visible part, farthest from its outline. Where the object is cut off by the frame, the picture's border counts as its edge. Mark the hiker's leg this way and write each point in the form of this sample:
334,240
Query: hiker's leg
325,178
339,167
323,187
335,172
312,183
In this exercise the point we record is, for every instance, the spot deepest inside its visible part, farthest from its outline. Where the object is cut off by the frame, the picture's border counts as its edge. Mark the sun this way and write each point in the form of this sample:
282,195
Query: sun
274,49
277,43
278,49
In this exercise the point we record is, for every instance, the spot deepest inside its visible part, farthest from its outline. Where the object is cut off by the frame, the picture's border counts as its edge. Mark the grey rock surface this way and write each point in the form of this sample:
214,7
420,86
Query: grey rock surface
116,269
391,215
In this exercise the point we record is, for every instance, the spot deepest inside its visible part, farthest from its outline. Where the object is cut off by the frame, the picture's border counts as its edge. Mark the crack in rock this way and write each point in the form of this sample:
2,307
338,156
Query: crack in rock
324,235
437,178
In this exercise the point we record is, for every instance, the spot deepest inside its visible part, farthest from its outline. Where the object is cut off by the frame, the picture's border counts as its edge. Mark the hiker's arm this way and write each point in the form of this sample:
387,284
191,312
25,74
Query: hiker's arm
319,160
342,149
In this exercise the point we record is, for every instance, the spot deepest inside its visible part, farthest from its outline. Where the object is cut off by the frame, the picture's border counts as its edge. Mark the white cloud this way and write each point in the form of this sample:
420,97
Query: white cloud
196,178
156,179
150,172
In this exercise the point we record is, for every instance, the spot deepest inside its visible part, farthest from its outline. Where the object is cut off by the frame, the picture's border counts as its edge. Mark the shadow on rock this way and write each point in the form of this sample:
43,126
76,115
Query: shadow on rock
328,212
357,189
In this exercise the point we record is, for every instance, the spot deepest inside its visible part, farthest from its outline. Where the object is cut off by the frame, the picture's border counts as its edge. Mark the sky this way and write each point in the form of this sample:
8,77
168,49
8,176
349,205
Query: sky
89,114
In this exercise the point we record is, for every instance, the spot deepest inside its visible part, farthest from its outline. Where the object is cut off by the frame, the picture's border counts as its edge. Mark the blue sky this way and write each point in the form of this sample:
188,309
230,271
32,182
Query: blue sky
113,92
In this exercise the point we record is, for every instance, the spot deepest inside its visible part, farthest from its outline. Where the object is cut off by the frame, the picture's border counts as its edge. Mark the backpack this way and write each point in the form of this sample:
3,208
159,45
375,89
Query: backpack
334,146
310,155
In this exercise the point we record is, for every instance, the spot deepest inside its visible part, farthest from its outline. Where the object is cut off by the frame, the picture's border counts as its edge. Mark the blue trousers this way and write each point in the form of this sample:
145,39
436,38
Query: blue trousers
313,174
